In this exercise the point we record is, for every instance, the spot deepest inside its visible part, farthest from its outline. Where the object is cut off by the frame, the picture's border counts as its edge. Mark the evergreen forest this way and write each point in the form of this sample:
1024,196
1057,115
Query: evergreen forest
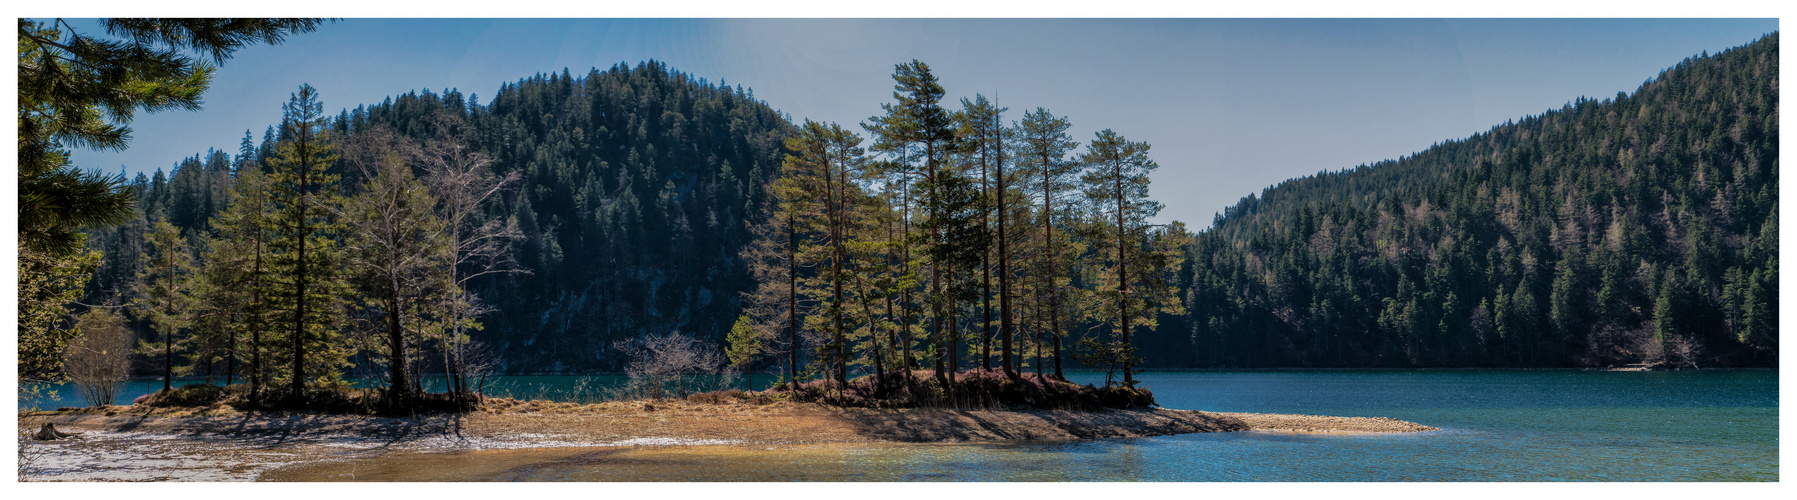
1640,228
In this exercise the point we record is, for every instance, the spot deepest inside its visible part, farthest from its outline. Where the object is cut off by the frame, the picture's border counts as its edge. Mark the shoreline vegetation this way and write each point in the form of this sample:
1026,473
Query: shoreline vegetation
1139,371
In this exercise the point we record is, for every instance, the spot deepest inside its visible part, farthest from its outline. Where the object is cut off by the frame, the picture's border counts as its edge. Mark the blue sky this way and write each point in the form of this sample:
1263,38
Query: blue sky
1230,106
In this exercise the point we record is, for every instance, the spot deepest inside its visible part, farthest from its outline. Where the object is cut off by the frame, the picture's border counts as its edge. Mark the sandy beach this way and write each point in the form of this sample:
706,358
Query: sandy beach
218,443
778,423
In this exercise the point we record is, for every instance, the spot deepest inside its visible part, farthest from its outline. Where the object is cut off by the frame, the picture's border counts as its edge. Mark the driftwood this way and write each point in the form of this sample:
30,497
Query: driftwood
49,433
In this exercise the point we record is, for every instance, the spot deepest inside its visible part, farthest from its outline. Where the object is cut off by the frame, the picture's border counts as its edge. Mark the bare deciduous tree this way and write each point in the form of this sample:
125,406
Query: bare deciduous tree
663,365
480,363
98,359
1683,350
463,182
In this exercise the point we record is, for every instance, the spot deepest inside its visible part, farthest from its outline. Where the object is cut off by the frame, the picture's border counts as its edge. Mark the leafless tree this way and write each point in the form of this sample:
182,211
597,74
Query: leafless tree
463,182
663,365
1670,351
98,359
1682,350
1645,347
481,362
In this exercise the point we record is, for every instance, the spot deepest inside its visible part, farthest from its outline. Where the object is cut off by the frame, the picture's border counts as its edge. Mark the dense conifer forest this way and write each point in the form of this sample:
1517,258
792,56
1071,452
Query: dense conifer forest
627,202
1640,228
605,206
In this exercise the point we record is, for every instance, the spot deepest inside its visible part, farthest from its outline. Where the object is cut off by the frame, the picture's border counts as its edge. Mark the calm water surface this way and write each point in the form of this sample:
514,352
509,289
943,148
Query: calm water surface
1496,426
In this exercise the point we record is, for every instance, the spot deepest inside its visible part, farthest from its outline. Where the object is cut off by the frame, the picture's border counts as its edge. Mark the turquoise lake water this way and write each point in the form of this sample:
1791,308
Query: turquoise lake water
1496,426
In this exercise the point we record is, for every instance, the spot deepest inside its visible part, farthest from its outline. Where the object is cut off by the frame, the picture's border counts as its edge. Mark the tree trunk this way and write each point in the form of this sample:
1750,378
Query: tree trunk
792,304
1056,333
258,315
168,337
1123,281
936,277
834,204
298,384
905,263
873,337
893,336
986,307
985,274
230,361
396,344
1053,267
1005,328
953,347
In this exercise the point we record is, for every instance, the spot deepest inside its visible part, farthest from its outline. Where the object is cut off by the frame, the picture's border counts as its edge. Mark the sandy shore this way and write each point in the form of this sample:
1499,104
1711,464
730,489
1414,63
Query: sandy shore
517,424
220,444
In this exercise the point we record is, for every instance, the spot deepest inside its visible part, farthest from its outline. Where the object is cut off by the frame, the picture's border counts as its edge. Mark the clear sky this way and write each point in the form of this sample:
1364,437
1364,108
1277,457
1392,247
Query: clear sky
1231,106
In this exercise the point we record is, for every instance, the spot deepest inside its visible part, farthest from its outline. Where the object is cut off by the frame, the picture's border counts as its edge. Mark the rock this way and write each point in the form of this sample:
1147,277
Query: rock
49,433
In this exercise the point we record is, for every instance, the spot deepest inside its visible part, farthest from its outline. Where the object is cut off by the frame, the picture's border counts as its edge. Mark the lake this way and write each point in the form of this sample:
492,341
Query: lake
1496,426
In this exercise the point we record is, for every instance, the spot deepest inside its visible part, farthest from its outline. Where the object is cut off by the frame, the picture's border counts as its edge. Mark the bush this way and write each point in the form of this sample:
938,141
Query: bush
187,395
98,360
668,366
718,397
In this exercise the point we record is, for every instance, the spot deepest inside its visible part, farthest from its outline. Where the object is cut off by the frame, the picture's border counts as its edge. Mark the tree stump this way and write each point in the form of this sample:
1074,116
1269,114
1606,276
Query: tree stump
49,433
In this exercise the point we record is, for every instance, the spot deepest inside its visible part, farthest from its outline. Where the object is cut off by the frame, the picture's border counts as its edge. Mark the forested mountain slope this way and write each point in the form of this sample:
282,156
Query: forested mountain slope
637,184
634,185
1639,228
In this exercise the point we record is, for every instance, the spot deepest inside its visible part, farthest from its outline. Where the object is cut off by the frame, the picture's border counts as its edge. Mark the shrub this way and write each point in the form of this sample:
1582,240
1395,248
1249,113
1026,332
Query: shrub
718,397
98,359
187,395
667,366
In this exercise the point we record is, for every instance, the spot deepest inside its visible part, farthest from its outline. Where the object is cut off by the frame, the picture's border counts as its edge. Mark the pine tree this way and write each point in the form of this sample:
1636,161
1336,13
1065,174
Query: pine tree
1042,149
306,287
983,147
239,259
1117,182
773,261
164,292
918,118
825,156
743,344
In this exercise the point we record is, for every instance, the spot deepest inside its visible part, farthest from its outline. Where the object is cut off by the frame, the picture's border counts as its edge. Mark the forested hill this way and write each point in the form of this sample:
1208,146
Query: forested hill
634,187
1638,228
637,183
